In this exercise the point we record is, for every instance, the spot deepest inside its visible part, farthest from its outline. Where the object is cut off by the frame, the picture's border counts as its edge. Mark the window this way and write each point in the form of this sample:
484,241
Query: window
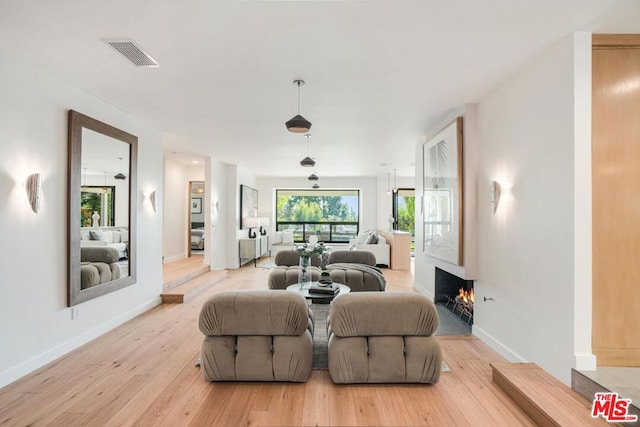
332,215
97,199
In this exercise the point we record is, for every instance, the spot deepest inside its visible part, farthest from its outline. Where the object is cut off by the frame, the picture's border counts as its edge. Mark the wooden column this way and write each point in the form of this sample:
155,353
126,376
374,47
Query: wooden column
616,199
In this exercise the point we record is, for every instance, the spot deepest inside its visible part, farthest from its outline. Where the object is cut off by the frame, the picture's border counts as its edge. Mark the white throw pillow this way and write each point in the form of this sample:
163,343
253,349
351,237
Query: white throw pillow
381,240
277,237
287,237
362,238
108,237
124,235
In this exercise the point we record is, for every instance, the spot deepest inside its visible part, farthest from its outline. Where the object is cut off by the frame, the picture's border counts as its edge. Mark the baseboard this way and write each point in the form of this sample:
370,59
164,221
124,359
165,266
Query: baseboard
584,362
173,258
423,291
30,365
496,345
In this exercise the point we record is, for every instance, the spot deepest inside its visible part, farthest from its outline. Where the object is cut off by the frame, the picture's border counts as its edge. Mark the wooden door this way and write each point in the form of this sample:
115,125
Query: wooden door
616,199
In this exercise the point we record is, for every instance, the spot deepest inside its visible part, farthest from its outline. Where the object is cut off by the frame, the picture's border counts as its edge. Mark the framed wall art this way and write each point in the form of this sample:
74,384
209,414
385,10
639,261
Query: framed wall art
248,207
443,201
196,205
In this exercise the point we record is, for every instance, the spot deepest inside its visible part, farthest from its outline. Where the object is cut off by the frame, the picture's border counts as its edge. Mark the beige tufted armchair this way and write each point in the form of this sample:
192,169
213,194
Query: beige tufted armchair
383,337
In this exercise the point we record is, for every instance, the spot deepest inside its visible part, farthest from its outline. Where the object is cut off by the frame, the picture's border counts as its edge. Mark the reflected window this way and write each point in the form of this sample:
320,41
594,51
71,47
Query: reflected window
97,206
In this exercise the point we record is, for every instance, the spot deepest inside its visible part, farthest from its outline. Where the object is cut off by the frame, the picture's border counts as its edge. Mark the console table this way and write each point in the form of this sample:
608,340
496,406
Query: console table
252,249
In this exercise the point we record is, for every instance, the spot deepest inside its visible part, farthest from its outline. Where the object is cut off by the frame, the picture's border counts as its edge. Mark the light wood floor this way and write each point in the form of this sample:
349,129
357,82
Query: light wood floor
142,373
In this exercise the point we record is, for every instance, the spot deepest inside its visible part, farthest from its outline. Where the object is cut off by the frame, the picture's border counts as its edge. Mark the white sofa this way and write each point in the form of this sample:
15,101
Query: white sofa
115,237
282,241
370,240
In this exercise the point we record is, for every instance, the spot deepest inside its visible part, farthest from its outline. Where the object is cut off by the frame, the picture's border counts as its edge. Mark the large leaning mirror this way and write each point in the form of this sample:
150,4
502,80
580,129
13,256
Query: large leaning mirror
102,208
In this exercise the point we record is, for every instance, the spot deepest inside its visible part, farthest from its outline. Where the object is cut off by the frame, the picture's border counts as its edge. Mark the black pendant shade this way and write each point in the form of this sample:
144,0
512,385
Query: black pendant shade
119,175
313,177
298,124
315,186
307,162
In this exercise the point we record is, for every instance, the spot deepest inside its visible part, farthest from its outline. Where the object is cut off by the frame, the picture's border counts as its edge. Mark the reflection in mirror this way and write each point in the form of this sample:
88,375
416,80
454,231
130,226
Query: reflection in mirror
97,206
102,165
196,222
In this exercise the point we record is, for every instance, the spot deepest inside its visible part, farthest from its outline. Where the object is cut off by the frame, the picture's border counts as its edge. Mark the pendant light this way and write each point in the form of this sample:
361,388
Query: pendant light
298,124
307,162
120,175
313,177
84,186
395,181
315,186
388,182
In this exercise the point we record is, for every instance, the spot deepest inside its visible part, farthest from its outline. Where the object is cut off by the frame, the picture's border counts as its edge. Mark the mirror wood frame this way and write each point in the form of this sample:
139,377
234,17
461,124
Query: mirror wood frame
77,122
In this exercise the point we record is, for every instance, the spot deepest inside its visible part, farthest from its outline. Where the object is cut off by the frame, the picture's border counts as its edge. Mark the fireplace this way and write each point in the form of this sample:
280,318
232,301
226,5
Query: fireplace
454,294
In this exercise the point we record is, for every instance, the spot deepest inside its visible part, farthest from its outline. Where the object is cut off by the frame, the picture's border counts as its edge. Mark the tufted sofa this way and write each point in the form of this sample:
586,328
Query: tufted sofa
256,336
383,337
98,265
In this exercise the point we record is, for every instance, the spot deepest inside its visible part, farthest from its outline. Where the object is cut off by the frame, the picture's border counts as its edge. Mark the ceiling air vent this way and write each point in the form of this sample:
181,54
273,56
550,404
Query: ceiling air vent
133,53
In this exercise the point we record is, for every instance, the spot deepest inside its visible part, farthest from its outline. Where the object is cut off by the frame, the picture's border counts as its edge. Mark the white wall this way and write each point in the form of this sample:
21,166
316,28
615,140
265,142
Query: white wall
176,213
216,230
35,322
529,135
526,250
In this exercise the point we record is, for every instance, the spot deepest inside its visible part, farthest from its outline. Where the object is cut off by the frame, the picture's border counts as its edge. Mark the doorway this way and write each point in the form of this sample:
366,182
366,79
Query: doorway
404,212
196,230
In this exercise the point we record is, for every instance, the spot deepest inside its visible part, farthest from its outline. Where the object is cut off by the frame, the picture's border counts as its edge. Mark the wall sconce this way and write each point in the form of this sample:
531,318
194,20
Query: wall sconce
153,200
33,188
496,192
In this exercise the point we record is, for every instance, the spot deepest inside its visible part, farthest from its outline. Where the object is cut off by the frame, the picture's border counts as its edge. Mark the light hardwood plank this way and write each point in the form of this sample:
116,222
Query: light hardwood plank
547,400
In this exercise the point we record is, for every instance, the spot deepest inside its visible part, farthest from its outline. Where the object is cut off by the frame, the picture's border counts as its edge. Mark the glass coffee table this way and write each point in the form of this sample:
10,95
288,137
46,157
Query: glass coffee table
318,298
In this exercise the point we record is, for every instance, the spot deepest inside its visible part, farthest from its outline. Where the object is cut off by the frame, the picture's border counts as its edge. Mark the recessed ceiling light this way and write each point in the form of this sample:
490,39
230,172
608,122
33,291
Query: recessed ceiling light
195,162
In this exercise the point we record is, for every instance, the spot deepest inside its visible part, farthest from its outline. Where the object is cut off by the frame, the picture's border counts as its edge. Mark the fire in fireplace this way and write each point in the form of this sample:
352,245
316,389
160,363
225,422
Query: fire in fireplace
455,294
462,304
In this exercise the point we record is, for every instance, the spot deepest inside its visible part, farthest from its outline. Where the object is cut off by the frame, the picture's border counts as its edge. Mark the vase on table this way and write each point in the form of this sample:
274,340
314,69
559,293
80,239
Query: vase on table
304,274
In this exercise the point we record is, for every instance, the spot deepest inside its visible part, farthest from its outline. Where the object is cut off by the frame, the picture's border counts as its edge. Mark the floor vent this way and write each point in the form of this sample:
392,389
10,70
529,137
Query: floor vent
133,53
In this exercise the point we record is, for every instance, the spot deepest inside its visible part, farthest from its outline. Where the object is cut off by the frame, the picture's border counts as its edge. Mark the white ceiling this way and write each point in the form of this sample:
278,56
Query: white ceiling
379,74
